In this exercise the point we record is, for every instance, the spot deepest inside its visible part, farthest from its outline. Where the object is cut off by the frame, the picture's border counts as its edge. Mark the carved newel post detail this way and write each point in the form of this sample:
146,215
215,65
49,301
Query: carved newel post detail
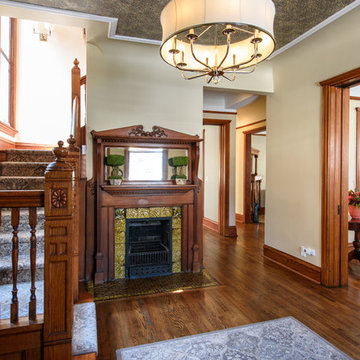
74,159
58,284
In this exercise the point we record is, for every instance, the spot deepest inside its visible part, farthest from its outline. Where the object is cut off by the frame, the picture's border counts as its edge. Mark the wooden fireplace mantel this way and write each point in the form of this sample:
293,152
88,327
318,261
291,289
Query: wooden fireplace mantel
107,197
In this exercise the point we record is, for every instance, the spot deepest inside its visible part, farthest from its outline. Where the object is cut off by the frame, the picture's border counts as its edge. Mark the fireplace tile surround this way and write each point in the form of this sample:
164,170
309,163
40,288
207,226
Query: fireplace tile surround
143,213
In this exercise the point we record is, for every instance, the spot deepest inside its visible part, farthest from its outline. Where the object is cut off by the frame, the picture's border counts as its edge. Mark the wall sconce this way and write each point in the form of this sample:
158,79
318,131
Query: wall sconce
44,30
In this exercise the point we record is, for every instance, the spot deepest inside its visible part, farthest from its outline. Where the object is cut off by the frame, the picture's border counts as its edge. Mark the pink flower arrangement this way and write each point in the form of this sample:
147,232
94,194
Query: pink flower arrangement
354,198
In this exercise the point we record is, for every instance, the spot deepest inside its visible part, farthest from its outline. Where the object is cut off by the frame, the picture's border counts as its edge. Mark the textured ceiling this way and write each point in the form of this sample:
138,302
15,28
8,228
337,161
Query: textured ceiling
141,18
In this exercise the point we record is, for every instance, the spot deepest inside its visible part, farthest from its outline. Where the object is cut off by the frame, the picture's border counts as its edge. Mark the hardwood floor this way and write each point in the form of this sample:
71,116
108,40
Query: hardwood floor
253,289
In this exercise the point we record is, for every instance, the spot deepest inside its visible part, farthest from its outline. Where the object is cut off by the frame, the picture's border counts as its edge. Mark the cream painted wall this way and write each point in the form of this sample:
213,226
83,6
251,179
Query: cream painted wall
211,170
249,114
293,201
129,84
43,104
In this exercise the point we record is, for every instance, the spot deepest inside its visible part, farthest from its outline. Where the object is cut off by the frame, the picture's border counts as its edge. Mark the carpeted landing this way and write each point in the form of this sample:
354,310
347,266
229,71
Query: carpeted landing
122,288
281,339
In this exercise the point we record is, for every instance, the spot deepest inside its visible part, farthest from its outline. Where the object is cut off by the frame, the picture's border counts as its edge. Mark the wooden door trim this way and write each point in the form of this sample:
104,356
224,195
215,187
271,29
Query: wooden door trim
357,162
224,175
247,171
335,163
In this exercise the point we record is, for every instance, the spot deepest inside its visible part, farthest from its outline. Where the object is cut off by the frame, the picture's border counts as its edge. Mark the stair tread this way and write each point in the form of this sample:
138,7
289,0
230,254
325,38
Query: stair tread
23,262
22,235
84,329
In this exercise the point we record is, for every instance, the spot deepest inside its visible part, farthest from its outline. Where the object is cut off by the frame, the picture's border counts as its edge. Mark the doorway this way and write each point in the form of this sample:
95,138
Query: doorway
335,178
254,174
217,131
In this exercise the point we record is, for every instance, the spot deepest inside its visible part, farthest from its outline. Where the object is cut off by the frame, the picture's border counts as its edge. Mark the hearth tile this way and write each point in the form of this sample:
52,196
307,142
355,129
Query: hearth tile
177,212
166,212
176,267
119,214
176,255
120,237
119,271
132,213
155,212
143,213
176,235
120,225
176,222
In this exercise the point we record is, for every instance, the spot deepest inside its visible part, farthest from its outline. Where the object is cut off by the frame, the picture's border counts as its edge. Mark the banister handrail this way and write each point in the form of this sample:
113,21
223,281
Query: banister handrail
21,198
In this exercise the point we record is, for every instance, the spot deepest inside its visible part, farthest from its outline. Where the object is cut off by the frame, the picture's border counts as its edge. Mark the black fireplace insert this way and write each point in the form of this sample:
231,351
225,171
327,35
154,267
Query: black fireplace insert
148,247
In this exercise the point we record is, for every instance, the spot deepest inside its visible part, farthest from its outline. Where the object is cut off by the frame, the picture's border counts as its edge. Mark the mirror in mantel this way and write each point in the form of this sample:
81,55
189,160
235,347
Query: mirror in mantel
146,163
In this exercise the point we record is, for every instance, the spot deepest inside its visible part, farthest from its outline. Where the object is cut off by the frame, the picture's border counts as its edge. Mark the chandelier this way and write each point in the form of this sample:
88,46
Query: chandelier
217,38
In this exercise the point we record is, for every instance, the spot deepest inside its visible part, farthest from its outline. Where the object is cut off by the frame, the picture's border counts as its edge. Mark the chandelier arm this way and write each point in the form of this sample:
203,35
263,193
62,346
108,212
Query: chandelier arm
192,77
242,72
234,77
237,65
226,54
209,80
194,56
190,70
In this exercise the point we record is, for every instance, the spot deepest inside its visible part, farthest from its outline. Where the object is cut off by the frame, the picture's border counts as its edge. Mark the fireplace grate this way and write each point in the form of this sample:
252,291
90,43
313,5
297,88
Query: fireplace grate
148,250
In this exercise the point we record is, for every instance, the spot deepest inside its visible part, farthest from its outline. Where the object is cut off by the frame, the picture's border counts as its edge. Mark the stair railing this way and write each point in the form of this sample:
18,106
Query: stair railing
15,200
48,336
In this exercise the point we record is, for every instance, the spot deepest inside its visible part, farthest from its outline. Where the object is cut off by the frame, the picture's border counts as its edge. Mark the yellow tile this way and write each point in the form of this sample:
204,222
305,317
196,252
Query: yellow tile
155,212
119,272
176,255
120,237
177,211
119,214
176,267
120,225
176,234
166,212
176,222
131,213
143,213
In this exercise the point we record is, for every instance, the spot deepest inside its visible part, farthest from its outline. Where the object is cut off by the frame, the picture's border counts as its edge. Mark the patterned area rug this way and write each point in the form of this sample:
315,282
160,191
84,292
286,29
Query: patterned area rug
283,339
161,284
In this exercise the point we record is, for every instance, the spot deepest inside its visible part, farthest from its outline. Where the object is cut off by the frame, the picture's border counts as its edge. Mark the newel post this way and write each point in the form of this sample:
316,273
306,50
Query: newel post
58,287
76,94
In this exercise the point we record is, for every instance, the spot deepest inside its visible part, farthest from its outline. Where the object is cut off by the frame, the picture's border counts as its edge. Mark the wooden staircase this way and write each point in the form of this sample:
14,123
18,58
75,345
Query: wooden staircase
40,204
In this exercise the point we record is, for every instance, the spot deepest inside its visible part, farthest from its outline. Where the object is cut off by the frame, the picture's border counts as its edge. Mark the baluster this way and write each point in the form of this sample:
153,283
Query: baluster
32,223
14,308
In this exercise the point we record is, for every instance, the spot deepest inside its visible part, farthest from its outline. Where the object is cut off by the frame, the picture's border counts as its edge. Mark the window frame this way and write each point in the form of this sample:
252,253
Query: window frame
10,129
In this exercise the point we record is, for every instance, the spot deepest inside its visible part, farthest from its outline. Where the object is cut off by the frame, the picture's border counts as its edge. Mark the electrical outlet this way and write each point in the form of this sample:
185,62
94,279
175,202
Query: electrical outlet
303,251
311,252
307,251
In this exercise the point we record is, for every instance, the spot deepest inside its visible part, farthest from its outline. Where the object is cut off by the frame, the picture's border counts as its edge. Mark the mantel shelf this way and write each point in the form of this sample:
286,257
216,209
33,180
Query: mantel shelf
148,189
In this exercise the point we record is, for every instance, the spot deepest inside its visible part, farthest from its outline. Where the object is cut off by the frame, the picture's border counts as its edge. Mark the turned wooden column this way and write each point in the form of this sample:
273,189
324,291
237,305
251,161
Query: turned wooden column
58,281
74,159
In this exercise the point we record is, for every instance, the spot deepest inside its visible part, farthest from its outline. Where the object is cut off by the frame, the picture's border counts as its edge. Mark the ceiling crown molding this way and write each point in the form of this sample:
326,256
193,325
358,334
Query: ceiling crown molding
113,22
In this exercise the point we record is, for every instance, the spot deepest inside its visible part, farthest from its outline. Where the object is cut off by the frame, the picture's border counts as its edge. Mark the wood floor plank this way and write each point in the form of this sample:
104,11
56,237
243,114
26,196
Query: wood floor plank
253,289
